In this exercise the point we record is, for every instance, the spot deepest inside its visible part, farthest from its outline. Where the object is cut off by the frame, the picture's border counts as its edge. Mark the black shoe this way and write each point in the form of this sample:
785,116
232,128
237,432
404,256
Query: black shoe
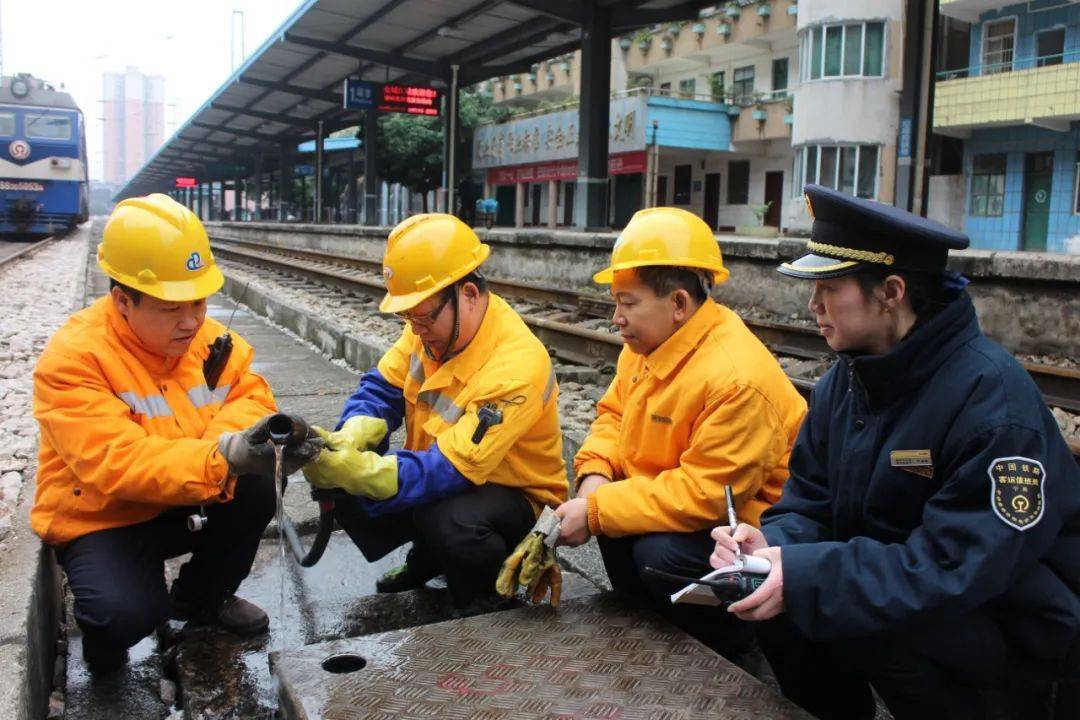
412,575
103,660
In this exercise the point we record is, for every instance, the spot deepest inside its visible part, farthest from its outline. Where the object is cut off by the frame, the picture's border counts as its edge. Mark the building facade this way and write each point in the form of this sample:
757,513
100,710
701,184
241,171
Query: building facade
1016,105
133,124
741,112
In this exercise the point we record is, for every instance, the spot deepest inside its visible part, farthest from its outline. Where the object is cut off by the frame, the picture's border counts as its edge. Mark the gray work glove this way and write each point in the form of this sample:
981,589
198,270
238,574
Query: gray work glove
250,452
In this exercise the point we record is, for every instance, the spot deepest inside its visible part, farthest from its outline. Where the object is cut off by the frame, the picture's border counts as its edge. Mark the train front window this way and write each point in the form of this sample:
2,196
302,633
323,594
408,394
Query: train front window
47,126
7,124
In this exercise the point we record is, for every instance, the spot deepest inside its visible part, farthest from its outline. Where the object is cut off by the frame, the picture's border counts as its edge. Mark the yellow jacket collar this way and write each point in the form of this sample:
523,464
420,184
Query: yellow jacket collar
682,342
157,365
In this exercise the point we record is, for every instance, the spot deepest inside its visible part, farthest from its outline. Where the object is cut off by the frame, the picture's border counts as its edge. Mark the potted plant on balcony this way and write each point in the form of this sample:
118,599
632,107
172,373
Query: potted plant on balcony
759,113
793,8
643,38
666,44
734,109
625,43
764,10
732,10
699,29
550,77
565,64
723,29
675,28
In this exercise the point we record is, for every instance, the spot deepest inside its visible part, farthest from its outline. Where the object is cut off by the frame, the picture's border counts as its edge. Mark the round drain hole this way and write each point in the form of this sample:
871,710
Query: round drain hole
343,663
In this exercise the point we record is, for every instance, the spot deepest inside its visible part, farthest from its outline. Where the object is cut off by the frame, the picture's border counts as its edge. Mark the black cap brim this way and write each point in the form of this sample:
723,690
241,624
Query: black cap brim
818,267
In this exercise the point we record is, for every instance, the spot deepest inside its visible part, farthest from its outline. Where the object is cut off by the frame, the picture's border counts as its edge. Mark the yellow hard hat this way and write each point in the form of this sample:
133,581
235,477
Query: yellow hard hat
157,246
665,236
425,254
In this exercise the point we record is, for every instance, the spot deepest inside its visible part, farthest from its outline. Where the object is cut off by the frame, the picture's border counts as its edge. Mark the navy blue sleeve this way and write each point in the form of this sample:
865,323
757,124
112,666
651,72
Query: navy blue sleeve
960,557
804,512
424,476
376,397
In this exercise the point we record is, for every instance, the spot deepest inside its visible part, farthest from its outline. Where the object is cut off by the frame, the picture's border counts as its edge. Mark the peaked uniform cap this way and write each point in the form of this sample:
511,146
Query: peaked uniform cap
851,233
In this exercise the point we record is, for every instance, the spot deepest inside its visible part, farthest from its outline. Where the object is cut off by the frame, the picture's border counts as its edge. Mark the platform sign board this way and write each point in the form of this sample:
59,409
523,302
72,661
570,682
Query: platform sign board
185,182
392,97
360,95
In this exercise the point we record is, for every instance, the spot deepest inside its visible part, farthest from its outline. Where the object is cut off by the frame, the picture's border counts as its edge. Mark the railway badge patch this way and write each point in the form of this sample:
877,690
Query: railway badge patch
1016,490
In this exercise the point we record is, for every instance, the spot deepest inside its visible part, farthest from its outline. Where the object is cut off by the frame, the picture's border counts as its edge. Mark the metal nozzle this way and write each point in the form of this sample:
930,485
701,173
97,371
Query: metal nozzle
286,429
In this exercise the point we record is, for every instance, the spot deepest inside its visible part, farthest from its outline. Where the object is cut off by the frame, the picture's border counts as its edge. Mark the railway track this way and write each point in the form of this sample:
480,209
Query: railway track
12,251
571,342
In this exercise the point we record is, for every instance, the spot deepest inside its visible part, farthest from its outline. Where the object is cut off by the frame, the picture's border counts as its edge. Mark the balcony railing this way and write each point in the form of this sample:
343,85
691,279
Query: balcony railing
1042,92
1022,63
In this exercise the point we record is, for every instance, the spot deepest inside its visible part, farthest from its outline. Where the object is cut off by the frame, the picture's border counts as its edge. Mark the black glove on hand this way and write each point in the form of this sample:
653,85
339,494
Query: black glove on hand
251,452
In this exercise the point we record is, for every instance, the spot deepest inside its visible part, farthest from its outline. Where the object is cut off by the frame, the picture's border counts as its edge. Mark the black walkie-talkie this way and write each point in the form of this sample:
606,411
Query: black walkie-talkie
220,350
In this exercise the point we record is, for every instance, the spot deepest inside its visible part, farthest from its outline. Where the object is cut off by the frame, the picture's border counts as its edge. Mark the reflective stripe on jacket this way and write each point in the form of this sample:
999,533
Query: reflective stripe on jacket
710,407
505,367
125,433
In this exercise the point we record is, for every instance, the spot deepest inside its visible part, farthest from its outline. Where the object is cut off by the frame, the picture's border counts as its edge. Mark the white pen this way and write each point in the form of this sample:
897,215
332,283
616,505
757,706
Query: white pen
733,520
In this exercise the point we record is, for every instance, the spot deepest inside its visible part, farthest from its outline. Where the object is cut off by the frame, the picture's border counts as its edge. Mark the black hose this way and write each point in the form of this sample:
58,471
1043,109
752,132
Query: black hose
289,430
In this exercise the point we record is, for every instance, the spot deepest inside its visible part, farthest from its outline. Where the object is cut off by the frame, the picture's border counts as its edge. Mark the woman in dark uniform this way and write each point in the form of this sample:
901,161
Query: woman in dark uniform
928,539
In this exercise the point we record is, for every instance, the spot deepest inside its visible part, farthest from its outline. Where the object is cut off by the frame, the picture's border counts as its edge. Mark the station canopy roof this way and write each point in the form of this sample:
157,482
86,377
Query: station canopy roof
296,77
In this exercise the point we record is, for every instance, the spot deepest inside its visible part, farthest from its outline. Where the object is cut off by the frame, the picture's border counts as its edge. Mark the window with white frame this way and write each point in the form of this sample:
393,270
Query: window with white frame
848,50
852,169
999,39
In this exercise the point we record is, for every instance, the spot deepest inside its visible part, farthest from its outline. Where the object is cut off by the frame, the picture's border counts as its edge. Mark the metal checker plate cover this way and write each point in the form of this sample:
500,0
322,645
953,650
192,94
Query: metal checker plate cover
594,657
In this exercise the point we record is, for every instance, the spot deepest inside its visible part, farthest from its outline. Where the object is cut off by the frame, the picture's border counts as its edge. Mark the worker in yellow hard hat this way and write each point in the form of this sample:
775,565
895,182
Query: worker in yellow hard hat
136,438
697,404
477,393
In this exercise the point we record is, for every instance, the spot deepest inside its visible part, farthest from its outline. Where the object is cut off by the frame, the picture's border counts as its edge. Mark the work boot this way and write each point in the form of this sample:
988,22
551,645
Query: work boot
234,614
242,617
103,660
412,575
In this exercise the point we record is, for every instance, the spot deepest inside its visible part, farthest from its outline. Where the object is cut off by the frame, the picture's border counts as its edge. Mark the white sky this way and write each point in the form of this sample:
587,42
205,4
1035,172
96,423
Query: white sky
75,41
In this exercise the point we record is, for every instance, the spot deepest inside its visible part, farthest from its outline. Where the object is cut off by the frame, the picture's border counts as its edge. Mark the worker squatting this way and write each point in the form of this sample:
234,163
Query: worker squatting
913,529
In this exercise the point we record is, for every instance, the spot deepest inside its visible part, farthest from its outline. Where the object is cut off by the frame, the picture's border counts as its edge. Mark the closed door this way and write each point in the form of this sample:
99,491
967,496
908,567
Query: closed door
505,195
627,198
1038,187
774,193
712,199
536,204
568,202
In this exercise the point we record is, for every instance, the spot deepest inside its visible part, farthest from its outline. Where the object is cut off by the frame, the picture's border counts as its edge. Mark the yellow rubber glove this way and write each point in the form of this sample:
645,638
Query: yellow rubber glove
523,565
357,472
361,432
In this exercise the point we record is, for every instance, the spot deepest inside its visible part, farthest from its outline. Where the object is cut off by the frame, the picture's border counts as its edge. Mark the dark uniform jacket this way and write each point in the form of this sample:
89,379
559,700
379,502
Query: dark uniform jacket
926,483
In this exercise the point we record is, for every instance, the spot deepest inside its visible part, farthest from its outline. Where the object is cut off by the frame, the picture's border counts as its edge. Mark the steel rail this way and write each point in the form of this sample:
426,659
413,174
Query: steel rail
26,250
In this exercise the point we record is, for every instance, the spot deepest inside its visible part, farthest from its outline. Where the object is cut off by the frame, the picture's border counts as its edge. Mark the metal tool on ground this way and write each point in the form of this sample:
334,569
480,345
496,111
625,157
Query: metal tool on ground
287,430
533,563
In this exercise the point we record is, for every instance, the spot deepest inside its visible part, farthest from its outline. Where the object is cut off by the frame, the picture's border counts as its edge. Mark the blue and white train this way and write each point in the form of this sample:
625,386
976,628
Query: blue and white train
43,180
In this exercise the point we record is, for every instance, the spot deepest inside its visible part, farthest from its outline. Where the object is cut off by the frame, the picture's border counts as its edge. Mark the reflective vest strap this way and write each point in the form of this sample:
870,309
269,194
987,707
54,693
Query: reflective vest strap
443,405
151,405
201,396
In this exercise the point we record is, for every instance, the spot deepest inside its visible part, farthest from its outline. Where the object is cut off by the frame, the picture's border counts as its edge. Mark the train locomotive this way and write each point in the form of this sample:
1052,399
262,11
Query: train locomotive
43,167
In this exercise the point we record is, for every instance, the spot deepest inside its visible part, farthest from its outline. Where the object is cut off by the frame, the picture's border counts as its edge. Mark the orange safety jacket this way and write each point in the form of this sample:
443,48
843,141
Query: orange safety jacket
710,407
504,365
126,433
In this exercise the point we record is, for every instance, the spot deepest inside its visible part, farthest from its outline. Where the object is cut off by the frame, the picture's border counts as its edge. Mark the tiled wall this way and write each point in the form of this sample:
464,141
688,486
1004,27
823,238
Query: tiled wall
1043,15
1004,232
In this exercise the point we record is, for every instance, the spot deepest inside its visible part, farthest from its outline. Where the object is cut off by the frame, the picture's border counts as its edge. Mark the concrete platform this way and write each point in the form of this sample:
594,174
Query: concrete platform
594,657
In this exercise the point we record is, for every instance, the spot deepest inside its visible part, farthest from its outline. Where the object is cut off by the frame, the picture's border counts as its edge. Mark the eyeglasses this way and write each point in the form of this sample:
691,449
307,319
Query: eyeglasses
427,319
